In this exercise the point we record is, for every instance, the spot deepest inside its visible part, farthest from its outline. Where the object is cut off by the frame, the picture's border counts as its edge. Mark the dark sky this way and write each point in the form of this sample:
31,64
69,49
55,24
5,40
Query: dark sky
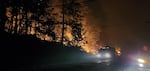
126,21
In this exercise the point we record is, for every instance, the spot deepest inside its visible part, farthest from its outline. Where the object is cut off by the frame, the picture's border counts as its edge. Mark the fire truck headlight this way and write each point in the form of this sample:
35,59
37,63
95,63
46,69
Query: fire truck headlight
98,55
108,55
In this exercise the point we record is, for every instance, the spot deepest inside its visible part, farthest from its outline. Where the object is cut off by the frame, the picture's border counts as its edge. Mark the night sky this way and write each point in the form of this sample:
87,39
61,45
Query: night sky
126,22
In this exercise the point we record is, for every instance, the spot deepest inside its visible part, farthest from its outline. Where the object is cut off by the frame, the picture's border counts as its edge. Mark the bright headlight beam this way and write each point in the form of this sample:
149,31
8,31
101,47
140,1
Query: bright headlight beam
98,55
140,60
107,55
141,65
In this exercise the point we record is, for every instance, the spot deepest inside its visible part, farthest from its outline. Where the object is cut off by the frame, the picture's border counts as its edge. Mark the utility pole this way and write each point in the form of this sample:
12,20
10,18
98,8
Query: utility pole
63,24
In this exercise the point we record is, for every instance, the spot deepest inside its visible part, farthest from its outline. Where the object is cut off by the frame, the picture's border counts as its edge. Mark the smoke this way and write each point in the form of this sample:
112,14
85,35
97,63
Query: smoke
92,34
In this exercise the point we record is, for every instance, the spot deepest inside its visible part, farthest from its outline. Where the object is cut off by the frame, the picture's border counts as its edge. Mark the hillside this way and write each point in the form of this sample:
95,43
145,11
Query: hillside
26,50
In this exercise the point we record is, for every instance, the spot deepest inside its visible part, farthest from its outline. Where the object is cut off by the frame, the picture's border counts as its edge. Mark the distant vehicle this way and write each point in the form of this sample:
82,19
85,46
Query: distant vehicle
140,61
106,54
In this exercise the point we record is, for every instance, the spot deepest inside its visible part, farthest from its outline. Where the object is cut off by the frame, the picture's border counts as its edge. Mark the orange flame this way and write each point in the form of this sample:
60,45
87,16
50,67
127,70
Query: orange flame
91,33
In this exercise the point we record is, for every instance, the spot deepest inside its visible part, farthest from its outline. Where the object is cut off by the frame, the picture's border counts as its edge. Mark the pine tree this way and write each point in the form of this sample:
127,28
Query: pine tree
44,19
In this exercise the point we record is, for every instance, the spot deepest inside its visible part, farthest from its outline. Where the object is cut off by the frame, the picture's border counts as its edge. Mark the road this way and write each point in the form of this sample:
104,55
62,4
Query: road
70,67
82,67
87,66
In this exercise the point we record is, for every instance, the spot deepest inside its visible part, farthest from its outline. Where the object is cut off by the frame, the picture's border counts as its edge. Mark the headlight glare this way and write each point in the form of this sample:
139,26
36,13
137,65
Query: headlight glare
141,65
141,60
108,55
98,55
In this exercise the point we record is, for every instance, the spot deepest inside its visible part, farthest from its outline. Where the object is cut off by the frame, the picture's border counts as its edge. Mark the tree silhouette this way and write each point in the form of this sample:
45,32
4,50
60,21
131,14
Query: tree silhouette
43,19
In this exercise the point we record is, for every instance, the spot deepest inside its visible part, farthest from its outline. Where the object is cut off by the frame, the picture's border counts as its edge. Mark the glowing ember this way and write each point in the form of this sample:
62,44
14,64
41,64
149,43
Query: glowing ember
118,51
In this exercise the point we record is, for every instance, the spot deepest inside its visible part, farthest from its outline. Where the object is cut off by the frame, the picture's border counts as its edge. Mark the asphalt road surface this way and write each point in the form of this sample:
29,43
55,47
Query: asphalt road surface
70,67
78,67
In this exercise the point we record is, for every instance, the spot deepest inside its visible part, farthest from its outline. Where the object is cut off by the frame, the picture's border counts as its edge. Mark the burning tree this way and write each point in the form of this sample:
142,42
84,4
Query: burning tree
50,20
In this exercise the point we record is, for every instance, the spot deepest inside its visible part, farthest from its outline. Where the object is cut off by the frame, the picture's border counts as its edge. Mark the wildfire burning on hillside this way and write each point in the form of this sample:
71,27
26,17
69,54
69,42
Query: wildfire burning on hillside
48,27
92,35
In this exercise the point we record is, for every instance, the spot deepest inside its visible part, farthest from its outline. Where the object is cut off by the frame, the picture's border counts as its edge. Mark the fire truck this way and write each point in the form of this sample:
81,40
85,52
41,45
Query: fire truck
106,55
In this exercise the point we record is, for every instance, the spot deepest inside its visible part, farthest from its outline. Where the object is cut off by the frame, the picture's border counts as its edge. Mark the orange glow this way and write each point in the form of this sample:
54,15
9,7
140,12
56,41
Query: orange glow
90,31
118,51
68,33
91,35
9,12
